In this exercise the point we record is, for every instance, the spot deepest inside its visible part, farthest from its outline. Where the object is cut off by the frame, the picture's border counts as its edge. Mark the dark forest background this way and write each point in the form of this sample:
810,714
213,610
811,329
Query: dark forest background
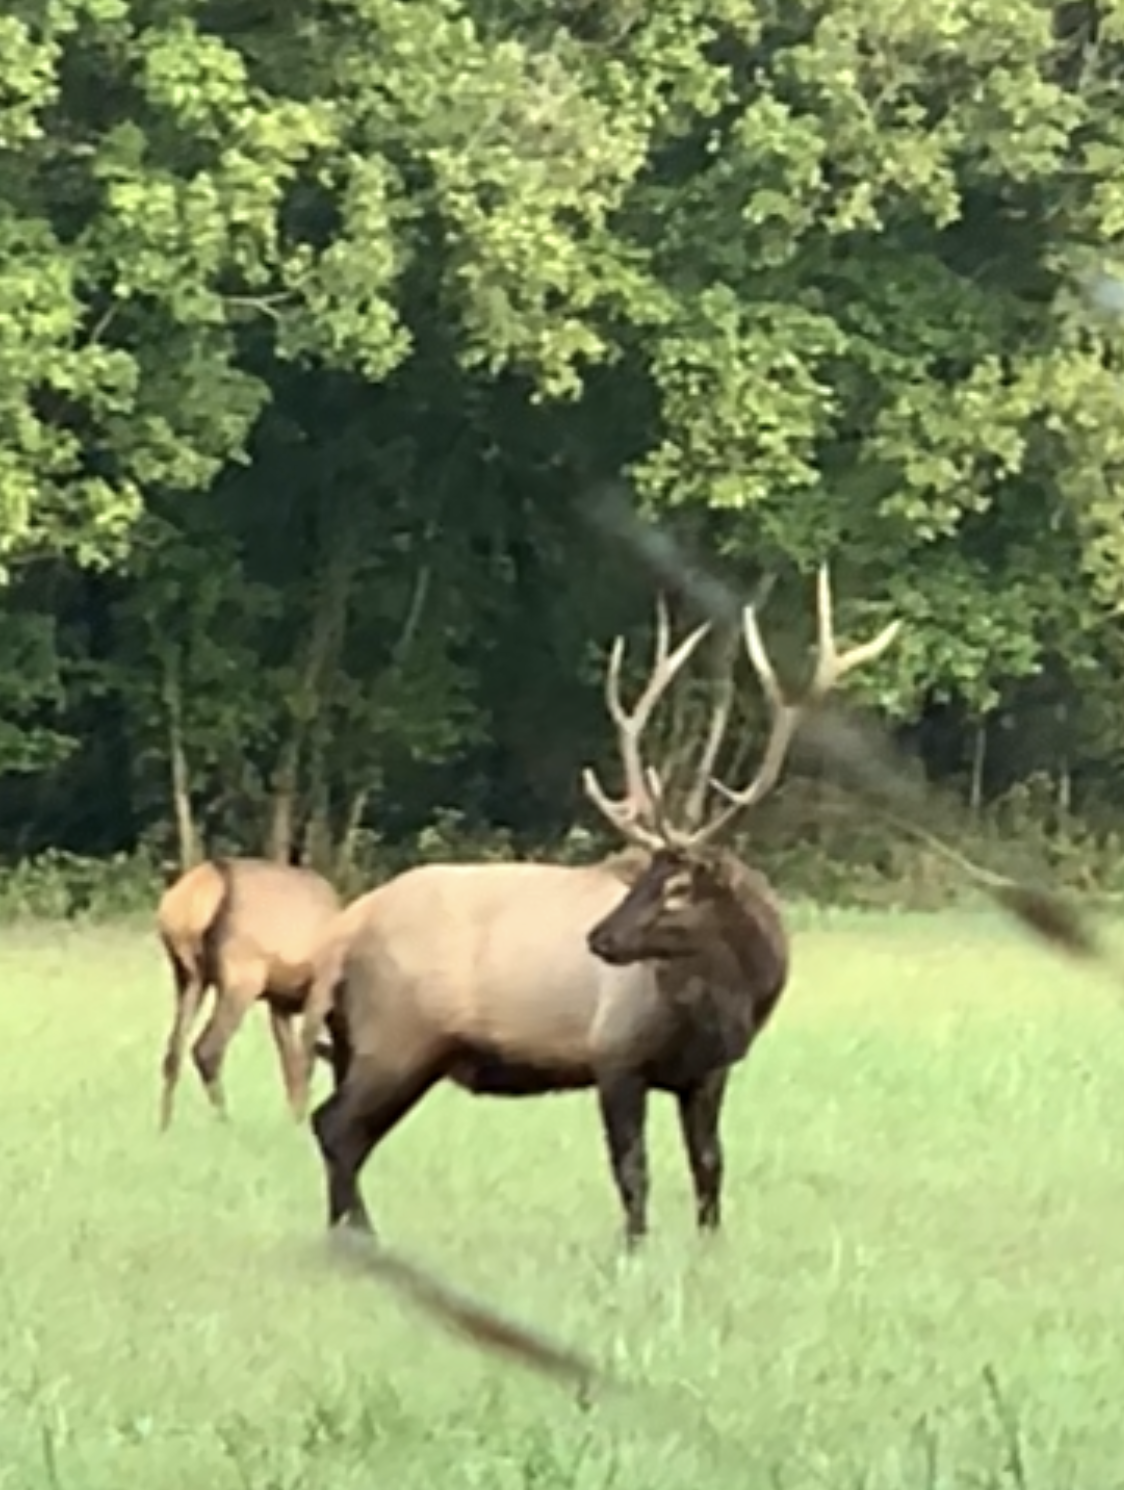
322,325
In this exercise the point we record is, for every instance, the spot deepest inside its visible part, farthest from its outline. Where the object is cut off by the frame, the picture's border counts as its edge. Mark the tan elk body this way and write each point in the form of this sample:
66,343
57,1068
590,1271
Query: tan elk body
654,969
247,928
455,943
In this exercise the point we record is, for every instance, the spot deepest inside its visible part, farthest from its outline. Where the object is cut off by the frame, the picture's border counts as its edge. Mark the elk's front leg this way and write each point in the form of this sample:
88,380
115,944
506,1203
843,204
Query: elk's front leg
343,1147
700,1109
624,1106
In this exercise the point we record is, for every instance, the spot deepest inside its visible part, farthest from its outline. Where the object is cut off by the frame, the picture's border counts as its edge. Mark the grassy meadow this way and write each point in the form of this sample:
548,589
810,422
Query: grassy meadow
919,1284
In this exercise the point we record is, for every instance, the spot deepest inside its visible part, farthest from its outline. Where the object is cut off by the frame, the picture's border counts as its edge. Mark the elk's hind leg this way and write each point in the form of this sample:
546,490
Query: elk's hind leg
624,1107
233,1000
291,1056
700,1108
190,988
375,1096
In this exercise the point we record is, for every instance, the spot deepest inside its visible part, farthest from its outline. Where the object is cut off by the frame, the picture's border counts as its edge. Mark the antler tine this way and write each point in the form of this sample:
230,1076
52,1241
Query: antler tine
720,711
635,814
665,829
624,815
831,666
786,718
665,667
616,659
762,666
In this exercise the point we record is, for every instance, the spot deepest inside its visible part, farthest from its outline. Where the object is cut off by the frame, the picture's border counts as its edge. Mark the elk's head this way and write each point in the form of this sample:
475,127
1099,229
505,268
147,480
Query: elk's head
672,902
664,911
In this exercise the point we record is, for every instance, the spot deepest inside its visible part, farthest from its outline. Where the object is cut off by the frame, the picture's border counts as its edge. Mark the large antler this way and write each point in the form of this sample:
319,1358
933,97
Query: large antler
831,667
638,815
641,815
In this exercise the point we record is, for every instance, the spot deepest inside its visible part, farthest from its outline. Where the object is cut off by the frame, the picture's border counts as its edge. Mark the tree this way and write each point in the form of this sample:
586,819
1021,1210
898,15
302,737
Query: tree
316,324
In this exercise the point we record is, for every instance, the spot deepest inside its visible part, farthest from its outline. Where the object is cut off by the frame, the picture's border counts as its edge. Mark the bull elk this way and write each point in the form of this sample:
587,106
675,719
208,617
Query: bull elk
654,969
248,928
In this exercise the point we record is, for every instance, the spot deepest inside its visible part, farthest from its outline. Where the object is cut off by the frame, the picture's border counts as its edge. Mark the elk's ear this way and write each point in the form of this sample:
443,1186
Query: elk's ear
715,873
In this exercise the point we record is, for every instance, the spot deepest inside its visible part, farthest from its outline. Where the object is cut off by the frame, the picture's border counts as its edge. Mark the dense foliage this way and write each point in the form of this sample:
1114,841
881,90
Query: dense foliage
321,325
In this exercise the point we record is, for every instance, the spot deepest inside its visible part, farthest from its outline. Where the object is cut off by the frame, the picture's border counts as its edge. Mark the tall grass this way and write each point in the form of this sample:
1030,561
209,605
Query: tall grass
919,1282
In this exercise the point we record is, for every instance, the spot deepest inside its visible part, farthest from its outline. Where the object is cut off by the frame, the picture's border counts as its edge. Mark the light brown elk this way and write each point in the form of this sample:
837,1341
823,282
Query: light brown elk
654,969
248,928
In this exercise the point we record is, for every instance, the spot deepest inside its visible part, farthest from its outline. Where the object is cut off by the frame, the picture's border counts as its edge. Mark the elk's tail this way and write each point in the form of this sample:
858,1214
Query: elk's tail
213,932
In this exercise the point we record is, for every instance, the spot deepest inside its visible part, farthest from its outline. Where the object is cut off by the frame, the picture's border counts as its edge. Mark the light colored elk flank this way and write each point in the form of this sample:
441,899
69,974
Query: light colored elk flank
247,928
654,969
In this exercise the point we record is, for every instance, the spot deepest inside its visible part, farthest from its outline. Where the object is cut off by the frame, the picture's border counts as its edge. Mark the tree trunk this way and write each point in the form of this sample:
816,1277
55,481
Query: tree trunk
308,706
1065,789
349,837
979,761
283,800
187,835
317,836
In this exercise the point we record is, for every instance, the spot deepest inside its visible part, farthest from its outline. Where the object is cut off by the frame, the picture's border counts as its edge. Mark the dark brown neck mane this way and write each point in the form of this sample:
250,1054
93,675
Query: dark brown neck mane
748,954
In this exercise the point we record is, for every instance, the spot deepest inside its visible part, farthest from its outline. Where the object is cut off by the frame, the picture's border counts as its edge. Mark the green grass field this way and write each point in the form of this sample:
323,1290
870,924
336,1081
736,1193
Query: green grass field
919,1284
